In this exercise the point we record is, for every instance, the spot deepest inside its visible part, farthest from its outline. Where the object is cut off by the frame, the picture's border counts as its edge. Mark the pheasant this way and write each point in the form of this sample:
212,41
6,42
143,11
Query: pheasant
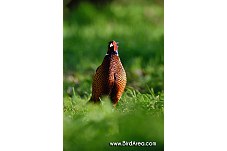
110,77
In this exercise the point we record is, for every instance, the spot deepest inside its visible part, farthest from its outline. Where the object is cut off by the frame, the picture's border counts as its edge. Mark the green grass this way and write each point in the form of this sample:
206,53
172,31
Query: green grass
139,115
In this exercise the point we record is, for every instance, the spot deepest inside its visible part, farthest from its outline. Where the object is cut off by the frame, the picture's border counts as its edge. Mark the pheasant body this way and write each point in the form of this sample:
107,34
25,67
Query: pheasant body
110,77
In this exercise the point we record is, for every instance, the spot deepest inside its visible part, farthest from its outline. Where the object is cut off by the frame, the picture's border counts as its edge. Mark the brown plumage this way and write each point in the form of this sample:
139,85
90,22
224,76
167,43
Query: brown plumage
110,76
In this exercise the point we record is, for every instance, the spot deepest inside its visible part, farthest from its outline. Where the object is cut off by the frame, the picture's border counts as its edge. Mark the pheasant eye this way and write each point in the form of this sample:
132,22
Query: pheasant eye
111,45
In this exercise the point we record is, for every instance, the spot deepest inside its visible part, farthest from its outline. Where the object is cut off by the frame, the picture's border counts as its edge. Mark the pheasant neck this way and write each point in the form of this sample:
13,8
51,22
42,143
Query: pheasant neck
112,53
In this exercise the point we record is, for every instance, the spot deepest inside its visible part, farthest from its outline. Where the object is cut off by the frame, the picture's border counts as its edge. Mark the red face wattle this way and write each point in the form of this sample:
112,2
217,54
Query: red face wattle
115,45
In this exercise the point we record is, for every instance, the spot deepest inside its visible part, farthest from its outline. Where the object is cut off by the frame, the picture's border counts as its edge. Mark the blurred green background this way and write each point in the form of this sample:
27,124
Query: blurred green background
138,26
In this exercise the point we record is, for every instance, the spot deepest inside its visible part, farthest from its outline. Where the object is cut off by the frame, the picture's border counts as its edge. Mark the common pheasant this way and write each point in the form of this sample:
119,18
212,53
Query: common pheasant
110,77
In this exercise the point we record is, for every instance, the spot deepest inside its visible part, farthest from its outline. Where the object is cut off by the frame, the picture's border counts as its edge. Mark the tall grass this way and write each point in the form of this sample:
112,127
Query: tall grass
138,117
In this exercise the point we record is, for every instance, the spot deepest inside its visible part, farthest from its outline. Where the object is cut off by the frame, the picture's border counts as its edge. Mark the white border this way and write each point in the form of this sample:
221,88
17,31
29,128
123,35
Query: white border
31,64
195,75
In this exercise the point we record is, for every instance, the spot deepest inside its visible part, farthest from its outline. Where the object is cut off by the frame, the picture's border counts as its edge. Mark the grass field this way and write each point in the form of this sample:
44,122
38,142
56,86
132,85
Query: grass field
139,115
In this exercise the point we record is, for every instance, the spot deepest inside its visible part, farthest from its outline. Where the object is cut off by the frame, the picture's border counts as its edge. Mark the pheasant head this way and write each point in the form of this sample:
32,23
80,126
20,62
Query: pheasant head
112,48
